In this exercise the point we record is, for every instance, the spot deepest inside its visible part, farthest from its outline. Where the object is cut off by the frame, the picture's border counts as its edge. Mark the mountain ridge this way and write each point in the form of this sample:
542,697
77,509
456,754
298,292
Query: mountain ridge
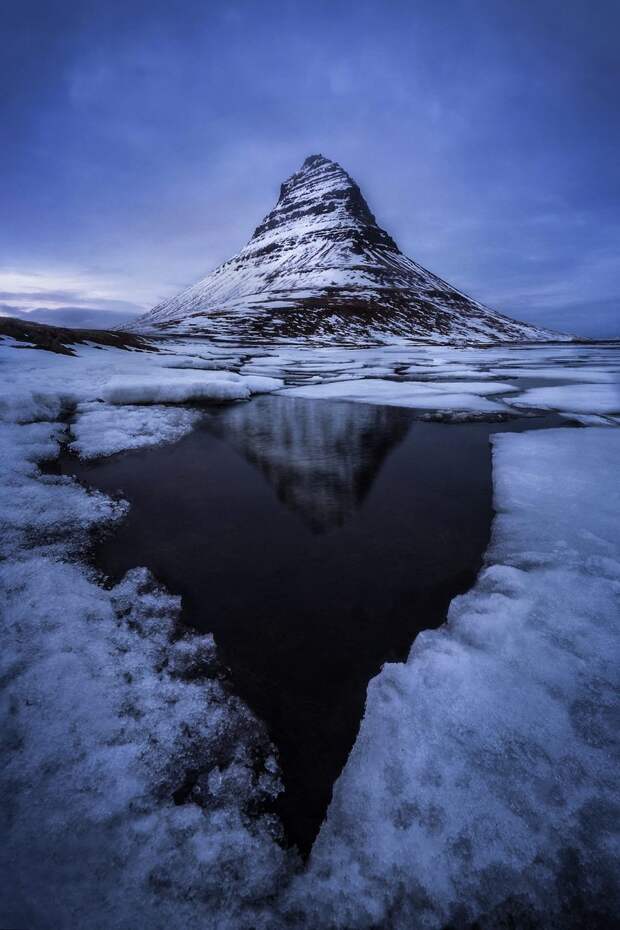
319,268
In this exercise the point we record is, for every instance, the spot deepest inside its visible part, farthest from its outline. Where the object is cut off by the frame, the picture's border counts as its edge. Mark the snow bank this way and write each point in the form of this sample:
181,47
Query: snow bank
185,386
484,781
38,509
105,718
25,406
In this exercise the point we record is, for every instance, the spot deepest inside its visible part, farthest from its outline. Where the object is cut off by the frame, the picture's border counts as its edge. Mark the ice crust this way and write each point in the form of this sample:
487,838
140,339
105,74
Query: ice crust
451,395
573,398
116,398
103,430
103,719
183,386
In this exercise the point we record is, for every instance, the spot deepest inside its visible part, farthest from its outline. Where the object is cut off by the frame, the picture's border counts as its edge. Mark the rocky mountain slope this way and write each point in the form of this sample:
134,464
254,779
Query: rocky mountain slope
320,268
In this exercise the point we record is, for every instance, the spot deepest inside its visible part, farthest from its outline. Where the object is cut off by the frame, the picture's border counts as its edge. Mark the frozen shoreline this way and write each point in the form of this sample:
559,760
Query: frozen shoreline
483,783
413,829
107,713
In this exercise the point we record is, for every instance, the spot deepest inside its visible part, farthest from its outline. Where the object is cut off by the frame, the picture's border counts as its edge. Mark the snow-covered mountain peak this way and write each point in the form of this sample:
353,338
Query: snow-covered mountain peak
321,196
319,268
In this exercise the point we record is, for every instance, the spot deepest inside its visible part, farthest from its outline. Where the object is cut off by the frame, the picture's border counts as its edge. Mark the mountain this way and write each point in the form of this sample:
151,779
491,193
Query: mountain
319,268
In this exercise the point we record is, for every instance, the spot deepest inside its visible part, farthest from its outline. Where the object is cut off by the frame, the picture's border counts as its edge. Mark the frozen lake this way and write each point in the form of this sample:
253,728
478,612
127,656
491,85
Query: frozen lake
314,539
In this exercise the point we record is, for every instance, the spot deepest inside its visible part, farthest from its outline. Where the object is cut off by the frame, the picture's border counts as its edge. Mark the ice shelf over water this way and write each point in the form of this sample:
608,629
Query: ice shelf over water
482,783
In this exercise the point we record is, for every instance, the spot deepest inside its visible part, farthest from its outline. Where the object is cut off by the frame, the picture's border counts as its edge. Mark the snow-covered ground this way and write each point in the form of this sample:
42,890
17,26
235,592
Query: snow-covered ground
482,780
106,711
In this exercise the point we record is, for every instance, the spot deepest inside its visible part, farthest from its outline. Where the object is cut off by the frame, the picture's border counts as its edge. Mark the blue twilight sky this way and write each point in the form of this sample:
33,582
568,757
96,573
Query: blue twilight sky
143,140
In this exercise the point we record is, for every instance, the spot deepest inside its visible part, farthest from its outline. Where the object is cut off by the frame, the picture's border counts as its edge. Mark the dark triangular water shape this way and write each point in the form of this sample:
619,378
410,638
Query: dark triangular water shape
311,566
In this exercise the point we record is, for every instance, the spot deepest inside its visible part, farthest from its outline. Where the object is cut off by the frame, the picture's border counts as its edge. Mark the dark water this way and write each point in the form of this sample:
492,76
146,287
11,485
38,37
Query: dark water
314,540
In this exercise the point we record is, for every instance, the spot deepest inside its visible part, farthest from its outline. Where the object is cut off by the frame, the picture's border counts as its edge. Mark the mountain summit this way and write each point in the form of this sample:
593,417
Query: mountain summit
320,268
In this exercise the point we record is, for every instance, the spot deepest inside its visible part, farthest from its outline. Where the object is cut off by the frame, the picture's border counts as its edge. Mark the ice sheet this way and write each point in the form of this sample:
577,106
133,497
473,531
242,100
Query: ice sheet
573,398
457,395
482,782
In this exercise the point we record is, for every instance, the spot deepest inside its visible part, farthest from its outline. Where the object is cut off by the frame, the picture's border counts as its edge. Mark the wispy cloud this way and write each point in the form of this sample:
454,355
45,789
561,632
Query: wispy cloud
27,290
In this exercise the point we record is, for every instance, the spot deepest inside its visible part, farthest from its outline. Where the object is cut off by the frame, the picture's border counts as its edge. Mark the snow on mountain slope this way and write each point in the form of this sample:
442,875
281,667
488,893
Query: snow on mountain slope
320,268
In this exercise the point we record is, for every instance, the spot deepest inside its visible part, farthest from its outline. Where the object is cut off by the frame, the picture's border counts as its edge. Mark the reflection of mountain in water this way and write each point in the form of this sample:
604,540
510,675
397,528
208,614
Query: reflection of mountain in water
320,458
304,620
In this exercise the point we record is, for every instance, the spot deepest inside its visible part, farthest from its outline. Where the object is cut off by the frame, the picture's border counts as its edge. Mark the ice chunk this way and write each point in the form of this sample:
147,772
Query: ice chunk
421,395
101,429
200,363
573,398
185,386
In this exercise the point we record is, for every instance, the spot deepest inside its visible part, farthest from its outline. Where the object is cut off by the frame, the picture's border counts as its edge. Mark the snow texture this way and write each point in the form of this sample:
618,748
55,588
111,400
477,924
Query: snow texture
183,386
103,430
484,781
133,780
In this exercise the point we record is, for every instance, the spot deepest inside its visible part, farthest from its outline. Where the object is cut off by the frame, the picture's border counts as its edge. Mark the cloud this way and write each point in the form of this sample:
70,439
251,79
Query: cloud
76,317
27,290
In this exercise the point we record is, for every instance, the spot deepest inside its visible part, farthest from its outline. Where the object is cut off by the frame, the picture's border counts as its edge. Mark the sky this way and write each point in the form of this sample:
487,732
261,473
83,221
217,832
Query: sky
144,141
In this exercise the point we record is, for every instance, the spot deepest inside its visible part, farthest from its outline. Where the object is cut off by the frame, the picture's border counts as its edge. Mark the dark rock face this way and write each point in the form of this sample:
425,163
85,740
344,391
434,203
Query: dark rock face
320,268
321,187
